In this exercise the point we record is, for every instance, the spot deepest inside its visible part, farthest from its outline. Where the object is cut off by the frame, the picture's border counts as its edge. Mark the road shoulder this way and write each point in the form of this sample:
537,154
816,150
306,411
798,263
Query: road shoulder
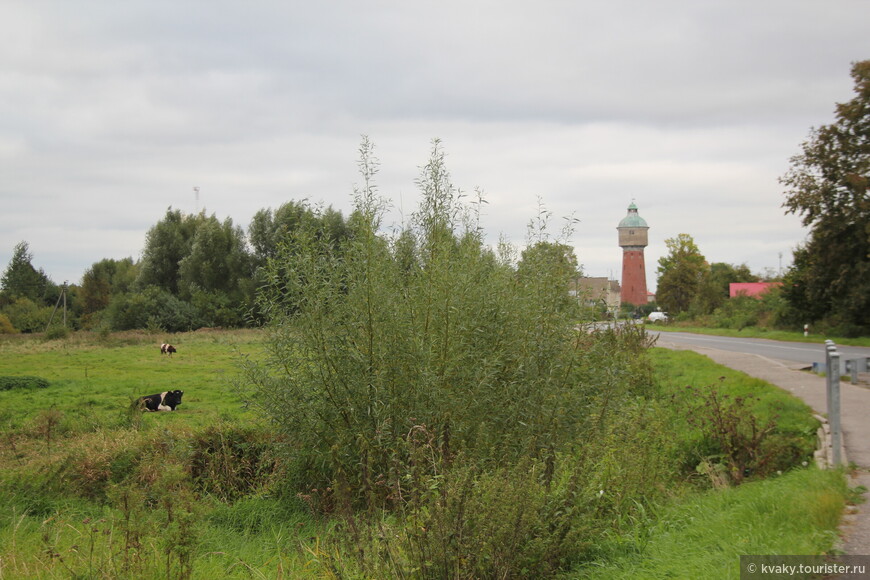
855,529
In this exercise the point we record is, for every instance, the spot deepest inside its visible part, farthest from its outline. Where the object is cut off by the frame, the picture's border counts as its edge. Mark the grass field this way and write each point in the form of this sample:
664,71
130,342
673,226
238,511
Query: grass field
94,378
704,536
90,489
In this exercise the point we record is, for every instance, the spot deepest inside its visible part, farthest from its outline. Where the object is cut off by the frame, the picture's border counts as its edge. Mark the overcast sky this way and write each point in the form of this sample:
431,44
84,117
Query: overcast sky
111,112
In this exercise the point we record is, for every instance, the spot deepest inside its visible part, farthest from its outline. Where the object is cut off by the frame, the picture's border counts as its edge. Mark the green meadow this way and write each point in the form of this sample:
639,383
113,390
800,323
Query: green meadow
94,378
92,488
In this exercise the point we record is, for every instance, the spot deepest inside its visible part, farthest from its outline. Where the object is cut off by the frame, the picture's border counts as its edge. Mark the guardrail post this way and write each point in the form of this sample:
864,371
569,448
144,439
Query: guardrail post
834,404
854,366
829,348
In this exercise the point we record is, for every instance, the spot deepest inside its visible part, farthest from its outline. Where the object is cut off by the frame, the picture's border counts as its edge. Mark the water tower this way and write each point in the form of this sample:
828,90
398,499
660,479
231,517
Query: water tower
633,239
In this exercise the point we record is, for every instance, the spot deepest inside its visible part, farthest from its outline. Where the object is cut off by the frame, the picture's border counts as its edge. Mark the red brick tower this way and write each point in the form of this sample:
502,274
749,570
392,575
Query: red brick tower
633,239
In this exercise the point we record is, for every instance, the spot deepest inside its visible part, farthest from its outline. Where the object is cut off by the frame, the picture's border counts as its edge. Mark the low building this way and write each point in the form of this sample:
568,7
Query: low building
754,289
591,291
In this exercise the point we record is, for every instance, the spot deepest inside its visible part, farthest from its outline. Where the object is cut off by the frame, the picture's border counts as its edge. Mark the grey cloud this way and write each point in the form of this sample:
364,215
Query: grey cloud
111,112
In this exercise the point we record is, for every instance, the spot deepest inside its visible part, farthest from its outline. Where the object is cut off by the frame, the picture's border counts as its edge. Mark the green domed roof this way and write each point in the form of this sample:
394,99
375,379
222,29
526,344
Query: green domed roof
632,220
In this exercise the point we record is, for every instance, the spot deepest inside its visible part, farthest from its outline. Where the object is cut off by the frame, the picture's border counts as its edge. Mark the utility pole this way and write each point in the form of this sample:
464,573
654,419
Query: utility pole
57,304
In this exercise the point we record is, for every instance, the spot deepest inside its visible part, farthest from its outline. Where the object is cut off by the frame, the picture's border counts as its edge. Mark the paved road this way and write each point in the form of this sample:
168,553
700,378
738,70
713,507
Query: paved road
790,352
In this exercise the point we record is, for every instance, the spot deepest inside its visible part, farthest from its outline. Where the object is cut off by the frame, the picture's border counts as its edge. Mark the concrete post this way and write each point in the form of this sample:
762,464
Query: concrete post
834,405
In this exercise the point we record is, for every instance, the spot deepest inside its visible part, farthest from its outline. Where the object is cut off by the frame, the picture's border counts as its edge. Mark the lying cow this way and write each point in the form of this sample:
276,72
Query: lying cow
161,402
167,349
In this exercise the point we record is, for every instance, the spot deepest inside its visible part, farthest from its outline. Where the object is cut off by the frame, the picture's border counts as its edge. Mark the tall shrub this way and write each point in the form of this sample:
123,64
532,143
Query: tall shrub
152,306
391,359
26,315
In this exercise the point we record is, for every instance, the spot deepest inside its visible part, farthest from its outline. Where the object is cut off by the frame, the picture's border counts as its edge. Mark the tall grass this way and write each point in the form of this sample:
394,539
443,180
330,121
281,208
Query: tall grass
705,536
253,539
93,504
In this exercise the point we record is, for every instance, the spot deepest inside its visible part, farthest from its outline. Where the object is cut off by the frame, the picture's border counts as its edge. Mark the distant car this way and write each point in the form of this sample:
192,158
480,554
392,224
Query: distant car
658,317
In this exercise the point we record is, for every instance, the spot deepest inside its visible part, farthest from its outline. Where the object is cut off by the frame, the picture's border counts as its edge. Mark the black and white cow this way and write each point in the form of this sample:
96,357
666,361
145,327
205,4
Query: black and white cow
161,402
167,349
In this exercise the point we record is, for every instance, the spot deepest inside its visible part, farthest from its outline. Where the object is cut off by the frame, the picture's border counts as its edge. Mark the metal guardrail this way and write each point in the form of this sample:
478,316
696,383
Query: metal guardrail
851,367
834,368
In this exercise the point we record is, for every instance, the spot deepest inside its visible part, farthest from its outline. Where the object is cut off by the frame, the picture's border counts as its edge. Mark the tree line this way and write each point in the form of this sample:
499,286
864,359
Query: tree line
197,271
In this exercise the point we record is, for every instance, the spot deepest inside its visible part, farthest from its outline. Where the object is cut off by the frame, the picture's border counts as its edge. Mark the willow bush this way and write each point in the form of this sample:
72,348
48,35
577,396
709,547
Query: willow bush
403,369
380,340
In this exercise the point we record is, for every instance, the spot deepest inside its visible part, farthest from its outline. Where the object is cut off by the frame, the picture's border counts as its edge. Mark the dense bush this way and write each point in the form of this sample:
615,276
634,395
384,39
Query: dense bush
6,325
423,375
216,308
26,315
368,351
230,462
738,444
770,310
153,307
525,519
727,427
738,313
224,461
56,332
23,382
159,309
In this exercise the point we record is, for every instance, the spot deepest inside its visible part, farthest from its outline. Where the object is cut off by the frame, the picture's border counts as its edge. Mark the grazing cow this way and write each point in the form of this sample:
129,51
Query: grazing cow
167,349
161,402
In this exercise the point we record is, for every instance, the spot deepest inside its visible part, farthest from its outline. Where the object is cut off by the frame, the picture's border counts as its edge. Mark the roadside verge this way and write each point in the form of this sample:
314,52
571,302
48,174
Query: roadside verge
855,420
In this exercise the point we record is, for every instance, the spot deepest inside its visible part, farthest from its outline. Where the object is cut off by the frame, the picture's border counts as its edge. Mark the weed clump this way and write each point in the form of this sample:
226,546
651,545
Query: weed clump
231,462
733,428
23,382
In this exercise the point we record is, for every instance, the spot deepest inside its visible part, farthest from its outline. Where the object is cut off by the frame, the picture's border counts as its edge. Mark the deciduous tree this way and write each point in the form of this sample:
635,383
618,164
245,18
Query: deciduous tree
104,279
681,274
827,186
269,227
716,285
551,266
167,243
218,260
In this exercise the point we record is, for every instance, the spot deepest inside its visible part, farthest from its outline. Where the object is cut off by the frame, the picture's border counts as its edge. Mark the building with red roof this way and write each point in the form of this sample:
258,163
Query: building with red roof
754,289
